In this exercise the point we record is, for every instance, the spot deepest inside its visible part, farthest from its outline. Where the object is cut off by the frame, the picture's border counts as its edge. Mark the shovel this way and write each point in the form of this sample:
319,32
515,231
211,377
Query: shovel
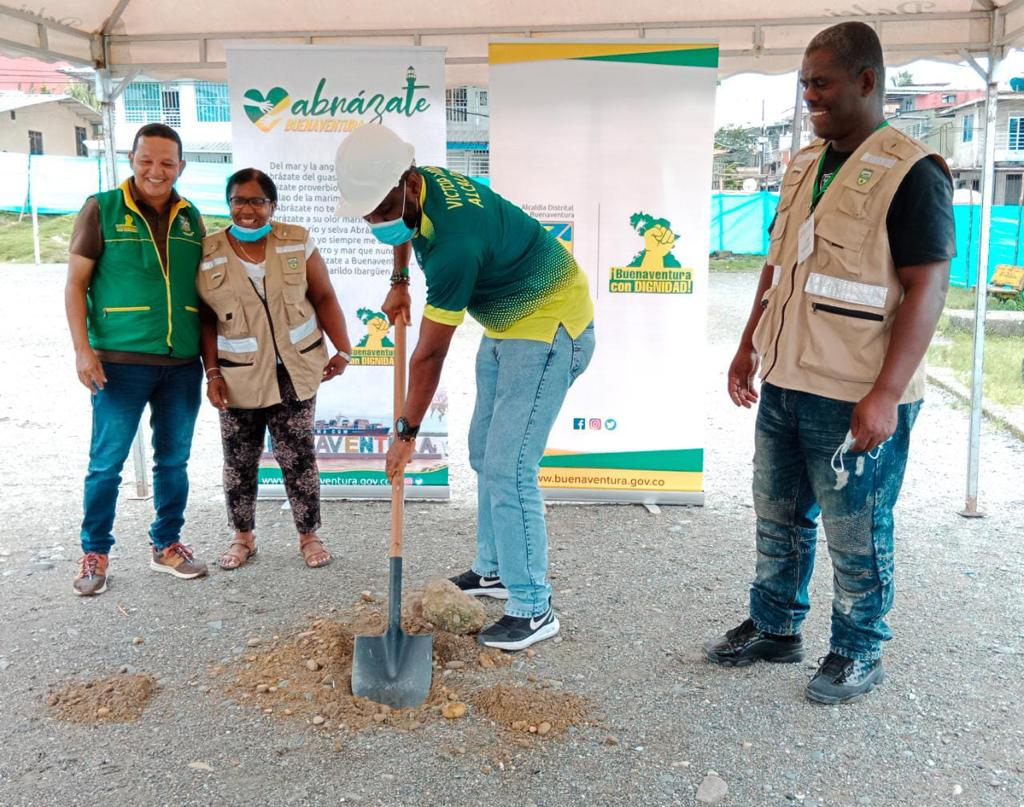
394,668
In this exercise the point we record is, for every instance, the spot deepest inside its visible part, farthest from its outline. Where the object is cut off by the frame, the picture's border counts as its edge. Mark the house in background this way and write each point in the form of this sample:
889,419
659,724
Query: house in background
467,112
41,123
965,124
198,110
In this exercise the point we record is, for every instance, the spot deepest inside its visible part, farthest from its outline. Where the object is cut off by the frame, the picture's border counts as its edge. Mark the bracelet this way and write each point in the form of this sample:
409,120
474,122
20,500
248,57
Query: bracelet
398,279
212,370
217,377
344,355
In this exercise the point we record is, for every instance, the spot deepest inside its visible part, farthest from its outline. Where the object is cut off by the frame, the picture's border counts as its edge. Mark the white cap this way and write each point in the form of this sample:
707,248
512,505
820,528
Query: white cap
369,163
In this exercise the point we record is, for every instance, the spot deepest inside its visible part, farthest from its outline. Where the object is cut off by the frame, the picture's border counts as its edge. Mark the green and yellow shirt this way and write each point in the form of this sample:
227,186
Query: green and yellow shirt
482,254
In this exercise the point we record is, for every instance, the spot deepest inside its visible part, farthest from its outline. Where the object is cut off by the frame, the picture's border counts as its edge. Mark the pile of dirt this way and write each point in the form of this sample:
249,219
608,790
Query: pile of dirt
117,699
308,675
540,712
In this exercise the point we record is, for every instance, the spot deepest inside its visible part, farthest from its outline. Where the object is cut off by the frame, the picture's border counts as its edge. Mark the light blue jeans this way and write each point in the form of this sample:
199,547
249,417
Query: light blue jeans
520,386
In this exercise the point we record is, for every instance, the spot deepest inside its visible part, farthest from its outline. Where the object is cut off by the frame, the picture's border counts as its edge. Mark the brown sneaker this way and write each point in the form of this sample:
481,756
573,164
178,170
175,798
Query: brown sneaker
92,575
177,559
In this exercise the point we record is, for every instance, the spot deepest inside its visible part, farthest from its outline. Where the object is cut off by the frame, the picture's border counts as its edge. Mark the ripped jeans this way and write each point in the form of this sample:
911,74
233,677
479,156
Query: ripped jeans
794,482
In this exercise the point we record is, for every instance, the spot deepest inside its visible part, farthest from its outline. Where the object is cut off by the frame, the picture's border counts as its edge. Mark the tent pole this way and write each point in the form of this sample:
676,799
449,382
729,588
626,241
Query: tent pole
106,96
981,289
798,117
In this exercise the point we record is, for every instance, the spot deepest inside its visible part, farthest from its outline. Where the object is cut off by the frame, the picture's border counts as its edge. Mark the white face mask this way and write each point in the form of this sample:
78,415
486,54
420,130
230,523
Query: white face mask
839,467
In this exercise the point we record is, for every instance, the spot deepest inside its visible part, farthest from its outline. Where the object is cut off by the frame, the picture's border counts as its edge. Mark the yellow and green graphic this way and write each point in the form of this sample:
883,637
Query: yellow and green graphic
266,111
654,269
562,230
678,470
325,112
663,53
375,348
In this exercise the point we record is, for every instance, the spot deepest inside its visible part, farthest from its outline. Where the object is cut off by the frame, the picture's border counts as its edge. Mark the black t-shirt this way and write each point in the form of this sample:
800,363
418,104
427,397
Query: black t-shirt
920,217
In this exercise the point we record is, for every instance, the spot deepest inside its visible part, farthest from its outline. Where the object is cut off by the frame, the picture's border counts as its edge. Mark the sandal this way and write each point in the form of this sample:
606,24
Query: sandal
238,553
313,551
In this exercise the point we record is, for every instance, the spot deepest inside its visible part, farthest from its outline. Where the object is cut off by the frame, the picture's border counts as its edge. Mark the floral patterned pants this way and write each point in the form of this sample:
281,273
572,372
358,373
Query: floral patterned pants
291,433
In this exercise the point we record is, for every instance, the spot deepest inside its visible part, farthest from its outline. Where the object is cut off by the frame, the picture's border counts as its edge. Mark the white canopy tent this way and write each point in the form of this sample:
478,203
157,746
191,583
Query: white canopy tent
187,39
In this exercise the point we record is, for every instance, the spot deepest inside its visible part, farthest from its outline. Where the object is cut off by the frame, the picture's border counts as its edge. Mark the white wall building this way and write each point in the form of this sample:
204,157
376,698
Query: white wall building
41,123
198,110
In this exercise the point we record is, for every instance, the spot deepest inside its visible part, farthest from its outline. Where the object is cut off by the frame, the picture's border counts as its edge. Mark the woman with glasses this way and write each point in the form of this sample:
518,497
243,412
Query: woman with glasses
268,301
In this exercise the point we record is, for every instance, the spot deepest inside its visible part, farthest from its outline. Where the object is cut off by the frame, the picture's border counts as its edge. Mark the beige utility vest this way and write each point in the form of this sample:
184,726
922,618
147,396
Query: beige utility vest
251,333
827,320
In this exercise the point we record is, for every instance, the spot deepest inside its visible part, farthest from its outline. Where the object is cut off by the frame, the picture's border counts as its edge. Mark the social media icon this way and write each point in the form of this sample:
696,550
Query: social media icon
596,423
611,424
579,423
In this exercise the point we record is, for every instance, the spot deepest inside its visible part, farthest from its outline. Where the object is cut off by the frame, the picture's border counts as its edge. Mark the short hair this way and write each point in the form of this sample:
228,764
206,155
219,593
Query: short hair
854,46
157,130
248,175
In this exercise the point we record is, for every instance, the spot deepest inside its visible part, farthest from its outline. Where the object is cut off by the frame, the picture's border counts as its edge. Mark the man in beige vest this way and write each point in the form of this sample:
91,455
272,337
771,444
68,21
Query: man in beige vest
847,303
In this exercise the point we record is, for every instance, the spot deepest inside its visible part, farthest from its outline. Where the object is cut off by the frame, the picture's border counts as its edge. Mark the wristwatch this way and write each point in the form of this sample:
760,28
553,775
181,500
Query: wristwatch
404,431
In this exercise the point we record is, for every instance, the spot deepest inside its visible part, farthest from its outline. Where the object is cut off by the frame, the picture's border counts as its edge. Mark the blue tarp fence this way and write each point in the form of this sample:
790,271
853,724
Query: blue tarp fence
739,221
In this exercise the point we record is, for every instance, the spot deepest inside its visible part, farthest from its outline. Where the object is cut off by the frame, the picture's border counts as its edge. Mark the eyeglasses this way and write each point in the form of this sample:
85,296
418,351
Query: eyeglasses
255,203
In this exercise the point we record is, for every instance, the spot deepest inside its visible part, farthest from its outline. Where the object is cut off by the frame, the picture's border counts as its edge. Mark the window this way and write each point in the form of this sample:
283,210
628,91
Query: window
149,102
949,99
483,99
471,162
14,115
455,102
1013,187
968,134
1015,141
212,102
80,135
142,102
35,142
170,106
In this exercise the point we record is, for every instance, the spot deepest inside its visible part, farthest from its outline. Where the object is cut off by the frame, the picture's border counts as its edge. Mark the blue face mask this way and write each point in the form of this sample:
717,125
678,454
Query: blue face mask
249,234
394,232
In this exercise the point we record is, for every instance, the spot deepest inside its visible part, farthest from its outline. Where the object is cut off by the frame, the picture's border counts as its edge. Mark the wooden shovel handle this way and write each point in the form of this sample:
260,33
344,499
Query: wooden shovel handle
398,486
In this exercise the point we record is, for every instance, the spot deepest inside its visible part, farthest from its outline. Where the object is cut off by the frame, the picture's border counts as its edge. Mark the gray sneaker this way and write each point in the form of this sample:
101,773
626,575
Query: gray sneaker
841,680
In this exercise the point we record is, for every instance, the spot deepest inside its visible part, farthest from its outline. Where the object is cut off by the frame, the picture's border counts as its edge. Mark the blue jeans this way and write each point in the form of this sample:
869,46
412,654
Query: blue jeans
173,395
794,482
520,386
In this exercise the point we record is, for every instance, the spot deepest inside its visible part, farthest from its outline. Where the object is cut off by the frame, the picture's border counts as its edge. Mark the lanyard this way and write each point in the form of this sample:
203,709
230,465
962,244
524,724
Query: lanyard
821,185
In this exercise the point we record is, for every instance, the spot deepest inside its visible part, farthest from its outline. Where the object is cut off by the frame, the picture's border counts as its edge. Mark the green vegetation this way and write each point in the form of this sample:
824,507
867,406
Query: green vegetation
730,262
1003,356
54,236
964,298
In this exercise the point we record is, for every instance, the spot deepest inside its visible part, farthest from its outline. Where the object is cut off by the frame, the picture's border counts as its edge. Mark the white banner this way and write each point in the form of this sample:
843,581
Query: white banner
610,145
290,108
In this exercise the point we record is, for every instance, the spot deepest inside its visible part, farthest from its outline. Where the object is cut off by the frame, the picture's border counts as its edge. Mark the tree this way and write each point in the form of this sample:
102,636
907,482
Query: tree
84,93
735,147
903,79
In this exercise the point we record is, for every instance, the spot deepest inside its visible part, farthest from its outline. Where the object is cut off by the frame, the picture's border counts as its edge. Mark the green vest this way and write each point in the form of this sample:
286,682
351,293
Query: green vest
135,303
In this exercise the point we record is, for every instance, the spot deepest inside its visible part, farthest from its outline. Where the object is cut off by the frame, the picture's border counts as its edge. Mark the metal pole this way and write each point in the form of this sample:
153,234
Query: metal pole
35,212
798,117
105,94
981,291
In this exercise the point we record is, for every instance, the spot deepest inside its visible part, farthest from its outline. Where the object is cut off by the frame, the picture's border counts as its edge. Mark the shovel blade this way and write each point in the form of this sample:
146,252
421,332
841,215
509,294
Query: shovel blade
394,668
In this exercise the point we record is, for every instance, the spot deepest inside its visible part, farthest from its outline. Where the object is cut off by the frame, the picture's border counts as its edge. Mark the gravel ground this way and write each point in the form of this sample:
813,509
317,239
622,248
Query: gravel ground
638,593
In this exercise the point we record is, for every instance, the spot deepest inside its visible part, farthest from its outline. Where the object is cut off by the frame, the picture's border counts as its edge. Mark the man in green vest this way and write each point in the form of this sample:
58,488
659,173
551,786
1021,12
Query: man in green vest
132,309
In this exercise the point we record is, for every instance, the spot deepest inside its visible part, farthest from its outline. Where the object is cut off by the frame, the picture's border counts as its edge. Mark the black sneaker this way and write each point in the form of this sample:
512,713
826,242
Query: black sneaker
518,633
476,586
745,644
840,679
